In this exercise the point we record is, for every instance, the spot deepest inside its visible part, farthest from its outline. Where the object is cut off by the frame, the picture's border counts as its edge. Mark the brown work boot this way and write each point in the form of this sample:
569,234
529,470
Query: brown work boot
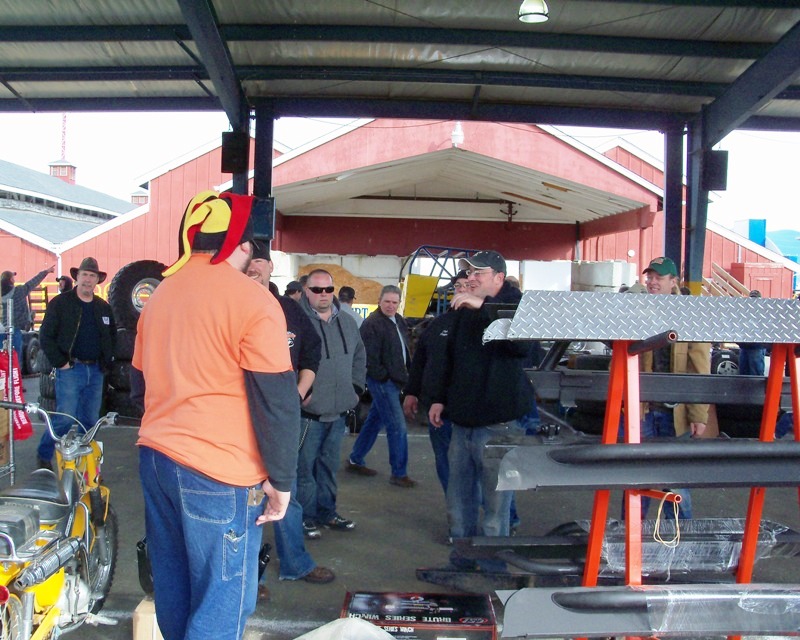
263,593
360,469
402,481
319,575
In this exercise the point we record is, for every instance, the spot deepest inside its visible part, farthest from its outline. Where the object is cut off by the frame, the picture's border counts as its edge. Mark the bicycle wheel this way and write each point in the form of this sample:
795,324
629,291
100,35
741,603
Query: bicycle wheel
101,576
11,619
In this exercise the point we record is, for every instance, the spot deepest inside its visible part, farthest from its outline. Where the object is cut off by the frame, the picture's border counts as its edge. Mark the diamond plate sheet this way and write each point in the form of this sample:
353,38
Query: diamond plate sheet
580,315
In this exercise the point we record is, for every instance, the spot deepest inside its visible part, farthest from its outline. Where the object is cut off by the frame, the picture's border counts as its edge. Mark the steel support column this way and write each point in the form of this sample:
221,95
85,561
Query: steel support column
696,211
265,136
673,195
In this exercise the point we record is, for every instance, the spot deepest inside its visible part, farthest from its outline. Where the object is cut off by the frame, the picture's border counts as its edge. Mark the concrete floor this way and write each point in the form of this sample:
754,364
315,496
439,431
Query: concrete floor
398,530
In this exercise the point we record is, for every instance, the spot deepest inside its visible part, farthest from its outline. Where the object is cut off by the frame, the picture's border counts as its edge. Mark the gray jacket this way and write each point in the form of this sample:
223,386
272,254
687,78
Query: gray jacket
343,366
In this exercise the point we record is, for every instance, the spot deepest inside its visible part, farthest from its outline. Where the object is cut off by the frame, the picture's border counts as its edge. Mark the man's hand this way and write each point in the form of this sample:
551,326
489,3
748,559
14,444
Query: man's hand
466,301
697,428
51,269
435,414
410,406
277,503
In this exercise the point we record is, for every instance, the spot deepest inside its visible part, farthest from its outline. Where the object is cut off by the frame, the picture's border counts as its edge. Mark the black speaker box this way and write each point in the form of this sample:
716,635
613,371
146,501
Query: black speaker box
715,171
235,151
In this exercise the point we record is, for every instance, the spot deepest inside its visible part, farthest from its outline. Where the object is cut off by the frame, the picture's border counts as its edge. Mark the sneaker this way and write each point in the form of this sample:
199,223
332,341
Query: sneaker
311,530
319,575
402,481
340,524
360,469
41,463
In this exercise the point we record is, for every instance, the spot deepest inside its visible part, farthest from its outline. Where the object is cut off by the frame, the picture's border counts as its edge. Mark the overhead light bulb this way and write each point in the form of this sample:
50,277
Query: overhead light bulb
457,137
533,11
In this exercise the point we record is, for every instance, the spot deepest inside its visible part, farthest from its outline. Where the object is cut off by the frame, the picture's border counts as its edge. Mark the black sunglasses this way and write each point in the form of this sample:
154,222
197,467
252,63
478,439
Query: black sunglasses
321,289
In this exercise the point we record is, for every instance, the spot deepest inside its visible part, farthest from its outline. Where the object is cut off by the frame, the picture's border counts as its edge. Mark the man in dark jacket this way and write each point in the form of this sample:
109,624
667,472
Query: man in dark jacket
77,334
337,387
425,375
485,392
386,337
304,349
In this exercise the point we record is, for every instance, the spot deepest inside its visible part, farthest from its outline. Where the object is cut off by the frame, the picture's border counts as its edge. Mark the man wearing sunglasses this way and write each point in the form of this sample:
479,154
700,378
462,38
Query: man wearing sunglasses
337,387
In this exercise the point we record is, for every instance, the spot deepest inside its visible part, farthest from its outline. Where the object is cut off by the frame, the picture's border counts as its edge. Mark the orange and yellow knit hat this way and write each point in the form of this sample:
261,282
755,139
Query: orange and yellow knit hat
213,221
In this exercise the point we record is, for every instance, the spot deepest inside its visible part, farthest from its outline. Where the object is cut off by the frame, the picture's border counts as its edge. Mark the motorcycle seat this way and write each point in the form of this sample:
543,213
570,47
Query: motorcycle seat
42,490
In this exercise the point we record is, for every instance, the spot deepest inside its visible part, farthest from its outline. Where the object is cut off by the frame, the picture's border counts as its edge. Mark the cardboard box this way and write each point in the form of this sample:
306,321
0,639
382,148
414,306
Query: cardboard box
425,616
145,626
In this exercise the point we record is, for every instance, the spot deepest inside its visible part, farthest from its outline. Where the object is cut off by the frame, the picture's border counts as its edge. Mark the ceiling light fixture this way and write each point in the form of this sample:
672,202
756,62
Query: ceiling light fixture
533,11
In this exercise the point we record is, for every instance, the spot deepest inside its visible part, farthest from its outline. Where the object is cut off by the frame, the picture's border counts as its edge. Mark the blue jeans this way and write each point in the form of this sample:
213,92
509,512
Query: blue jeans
751,360
385,410
295,561
79,393
784,425
658,423
317,466
440,442
474,480
16,343
203,544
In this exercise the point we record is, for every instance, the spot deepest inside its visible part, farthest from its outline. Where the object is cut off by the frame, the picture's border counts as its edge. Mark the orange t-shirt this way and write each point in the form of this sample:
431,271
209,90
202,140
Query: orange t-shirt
202,326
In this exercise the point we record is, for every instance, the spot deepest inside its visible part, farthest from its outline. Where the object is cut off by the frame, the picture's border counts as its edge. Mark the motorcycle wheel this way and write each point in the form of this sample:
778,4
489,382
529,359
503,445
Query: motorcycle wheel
11,619
103,576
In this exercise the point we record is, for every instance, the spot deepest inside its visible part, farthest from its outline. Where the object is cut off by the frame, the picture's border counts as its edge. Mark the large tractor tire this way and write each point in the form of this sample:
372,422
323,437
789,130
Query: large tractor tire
131,288
124,344
30,352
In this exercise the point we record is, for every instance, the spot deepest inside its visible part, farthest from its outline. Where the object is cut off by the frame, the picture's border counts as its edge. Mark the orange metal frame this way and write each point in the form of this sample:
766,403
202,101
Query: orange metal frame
623,391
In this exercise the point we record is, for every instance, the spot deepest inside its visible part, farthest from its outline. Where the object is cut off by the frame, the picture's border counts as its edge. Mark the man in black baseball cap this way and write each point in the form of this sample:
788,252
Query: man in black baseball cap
294,290
484,260
480,405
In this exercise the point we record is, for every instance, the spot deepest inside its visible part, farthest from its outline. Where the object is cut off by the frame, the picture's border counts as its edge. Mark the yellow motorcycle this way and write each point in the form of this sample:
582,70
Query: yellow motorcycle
58,538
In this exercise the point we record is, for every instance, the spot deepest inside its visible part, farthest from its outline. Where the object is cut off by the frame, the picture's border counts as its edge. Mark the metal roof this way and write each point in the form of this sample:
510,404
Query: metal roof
18,179
646,64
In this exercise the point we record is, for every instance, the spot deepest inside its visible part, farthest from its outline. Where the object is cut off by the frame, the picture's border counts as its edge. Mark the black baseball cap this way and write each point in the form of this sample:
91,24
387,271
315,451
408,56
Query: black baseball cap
484,260
260,250
293,286
461,275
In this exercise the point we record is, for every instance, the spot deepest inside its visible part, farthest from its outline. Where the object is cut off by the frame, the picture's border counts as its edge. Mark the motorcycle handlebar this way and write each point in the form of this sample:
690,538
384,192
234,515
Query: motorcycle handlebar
110,418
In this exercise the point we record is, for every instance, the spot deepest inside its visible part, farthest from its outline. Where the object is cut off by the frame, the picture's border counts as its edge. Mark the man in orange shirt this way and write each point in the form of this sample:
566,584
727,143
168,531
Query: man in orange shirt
220,427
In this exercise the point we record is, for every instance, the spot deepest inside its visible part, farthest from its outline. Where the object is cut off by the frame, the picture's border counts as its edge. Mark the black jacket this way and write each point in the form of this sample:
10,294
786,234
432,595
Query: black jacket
484,384
305,345
384,351
60,327
430,355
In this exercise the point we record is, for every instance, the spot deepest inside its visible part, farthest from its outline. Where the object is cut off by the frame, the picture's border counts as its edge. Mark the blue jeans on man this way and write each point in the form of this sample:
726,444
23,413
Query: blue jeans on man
317,466
660,423
473,482
203,544
385,410
295,562
751,360
79,393
440,443
16,343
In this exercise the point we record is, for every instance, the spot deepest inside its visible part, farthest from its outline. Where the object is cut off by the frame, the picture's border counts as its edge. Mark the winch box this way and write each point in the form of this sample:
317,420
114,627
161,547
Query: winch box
425,616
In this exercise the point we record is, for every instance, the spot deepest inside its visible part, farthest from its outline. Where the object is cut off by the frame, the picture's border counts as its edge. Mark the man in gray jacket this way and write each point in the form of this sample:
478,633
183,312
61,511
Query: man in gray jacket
337,387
